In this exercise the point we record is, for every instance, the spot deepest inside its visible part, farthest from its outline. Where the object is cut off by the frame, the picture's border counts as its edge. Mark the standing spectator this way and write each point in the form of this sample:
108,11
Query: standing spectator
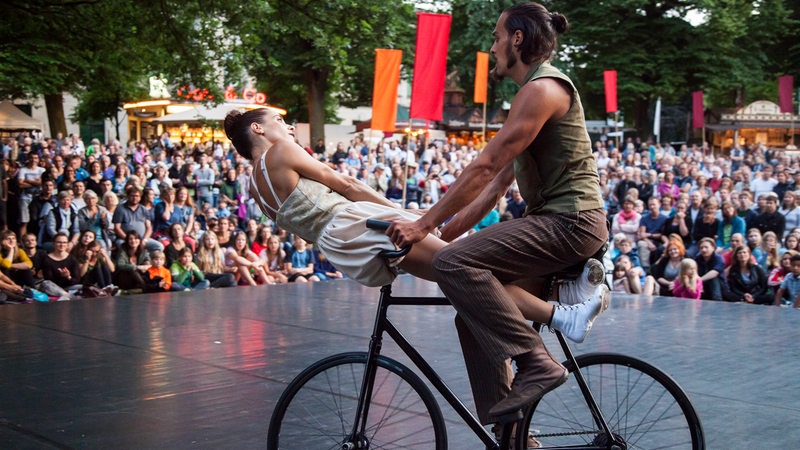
710,268
30,180
649,235
687,284
131,216
770,219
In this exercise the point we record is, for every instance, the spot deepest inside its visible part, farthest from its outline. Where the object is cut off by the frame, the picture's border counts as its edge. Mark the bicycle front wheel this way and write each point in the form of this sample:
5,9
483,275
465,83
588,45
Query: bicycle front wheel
643,406
317,409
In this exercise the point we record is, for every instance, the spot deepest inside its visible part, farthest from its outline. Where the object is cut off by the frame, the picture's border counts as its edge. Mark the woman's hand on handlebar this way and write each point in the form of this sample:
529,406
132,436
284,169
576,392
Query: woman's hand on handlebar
404,233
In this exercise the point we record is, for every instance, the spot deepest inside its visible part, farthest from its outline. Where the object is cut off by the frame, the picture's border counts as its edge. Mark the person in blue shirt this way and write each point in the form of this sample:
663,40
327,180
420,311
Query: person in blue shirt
301,265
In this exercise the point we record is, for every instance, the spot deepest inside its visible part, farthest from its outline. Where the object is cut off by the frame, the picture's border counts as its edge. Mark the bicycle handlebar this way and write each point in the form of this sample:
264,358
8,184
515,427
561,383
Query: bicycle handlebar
382,225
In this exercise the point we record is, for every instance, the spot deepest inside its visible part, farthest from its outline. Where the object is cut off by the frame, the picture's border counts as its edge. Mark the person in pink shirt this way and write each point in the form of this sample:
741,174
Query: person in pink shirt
688,284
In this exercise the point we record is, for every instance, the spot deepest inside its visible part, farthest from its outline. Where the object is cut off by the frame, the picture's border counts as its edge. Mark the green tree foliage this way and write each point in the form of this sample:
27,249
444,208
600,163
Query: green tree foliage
310,56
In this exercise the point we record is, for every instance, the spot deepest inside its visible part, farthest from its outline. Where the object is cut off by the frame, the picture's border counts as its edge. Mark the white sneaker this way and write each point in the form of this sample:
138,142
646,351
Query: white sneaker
579,290
575,321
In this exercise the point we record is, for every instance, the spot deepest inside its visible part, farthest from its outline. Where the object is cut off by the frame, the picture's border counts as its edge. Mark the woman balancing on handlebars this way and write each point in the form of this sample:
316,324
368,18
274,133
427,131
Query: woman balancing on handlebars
308,198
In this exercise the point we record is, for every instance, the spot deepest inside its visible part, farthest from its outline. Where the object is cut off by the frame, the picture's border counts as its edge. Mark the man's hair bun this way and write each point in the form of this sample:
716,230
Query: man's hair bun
559,22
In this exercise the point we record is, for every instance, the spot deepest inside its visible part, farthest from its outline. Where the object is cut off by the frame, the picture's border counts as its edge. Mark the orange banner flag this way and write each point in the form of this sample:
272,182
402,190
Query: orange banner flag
481,77
384,90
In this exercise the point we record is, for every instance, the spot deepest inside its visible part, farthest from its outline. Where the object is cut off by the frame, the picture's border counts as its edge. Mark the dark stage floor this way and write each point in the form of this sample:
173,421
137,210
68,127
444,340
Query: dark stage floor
204,370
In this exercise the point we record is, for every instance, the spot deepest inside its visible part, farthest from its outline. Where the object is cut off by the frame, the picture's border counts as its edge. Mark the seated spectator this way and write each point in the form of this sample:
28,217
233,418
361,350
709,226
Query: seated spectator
61,268
680,224
790,210
779,273
754,242
687,284
323,269
273,257
185,273
705,226
789,292
621,279
791,242
300,267
11,291
747,282
132,216
627,220
183,200
159,278
15,262
638,281
96,218
95,178
516,205
132,262
95,266
666,269
165,214
710,268
225,233
770,219
770,245
649,235
729,225
61,219
210,260
259,244
250,269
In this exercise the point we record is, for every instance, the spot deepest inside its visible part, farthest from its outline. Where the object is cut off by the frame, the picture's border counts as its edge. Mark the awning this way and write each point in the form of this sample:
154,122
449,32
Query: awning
13,119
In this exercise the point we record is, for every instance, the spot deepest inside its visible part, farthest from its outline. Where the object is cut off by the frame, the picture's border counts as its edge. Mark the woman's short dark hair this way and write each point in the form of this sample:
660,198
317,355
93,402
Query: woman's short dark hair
540,29
237,128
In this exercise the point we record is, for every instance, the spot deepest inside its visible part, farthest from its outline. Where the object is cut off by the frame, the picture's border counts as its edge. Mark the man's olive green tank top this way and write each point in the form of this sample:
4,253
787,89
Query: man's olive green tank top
557,172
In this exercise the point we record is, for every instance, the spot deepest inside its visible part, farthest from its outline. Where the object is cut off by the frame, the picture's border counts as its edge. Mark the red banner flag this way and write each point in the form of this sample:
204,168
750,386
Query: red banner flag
785,88
698,111
481,77
610,79
384,89
430,66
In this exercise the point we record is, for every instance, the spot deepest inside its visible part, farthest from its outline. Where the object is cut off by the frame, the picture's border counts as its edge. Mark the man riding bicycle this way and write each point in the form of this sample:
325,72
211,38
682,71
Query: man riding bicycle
545,147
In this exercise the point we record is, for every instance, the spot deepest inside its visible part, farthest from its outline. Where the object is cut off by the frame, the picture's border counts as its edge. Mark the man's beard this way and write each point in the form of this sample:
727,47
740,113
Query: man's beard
512,60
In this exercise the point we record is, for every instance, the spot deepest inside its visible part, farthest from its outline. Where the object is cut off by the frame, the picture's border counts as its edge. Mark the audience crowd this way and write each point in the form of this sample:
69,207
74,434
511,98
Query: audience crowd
96,220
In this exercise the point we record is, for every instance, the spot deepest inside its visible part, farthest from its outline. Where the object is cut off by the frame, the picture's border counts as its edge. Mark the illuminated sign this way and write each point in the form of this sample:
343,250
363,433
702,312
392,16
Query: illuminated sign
193,93
249,94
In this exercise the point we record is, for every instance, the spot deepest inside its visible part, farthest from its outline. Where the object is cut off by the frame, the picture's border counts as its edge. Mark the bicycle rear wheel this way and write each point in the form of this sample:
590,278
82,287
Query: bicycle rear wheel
641,404
317,409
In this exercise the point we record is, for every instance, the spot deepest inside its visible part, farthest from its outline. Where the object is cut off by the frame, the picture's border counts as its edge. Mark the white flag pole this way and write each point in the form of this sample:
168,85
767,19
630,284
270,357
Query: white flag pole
657,121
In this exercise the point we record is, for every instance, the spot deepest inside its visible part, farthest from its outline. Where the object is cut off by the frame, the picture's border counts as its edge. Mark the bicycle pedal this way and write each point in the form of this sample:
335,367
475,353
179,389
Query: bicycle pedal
515,416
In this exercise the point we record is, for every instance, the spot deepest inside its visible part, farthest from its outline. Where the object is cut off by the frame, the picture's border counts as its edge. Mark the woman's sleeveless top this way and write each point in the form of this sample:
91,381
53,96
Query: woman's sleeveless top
307,210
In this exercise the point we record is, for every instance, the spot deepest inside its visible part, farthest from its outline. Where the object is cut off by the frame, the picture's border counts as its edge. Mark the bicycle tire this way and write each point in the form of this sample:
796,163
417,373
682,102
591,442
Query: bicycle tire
317,409
641,404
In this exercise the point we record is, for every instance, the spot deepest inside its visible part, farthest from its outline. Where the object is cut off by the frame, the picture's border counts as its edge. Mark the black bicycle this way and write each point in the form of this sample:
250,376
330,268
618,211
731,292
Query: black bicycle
364,400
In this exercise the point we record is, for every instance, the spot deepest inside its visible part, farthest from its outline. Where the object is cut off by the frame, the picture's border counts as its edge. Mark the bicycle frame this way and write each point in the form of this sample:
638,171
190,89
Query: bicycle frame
384,325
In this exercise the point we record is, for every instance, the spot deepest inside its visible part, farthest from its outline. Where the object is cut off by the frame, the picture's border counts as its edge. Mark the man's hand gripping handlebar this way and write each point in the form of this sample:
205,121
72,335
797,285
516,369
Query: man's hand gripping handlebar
382,225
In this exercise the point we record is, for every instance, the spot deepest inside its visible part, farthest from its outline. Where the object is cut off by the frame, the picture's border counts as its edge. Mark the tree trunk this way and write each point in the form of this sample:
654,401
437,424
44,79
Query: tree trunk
55,113
317,83
641,117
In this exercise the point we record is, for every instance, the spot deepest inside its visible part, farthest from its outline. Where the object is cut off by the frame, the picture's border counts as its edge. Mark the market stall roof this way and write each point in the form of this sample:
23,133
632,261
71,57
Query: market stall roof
211,113
13,119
